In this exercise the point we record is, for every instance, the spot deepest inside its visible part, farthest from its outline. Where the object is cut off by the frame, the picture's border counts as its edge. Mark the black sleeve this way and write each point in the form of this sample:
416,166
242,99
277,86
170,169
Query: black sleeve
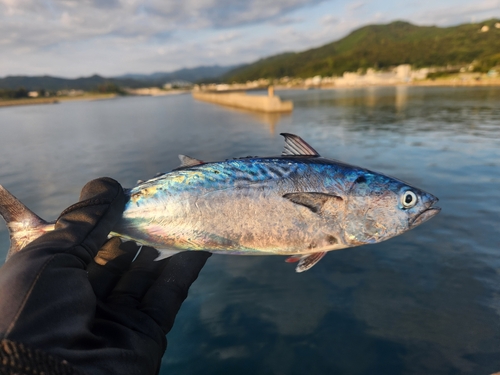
18,359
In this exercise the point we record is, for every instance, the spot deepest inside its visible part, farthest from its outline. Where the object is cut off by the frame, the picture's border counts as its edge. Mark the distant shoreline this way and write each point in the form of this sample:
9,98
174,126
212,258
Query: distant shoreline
449,82
436,83
85,97
458,82
454,82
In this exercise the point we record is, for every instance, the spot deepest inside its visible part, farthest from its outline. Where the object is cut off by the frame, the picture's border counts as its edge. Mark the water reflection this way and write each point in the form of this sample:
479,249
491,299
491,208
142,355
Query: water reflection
419,109
371,97
425,302
269,120
401,97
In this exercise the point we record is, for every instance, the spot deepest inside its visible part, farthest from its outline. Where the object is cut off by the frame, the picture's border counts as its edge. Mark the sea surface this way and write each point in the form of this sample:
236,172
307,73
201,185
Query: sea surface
426,302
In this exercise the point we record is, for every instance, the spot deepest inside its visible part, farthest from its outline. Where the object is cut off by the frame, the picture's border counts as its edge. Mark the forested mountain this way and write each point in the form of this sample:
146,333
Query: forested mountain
186,74
373,46
383,46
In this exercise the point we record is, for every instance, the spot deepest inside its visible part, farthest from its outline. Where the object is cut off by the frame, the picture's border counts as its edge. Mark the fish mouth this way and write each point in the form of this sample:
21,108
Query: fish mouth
425,215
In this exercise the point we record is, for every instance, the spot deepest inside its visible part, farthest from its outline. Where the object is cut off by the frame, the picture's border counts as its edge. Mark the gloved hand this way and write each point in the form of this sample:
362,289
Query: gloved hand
77,297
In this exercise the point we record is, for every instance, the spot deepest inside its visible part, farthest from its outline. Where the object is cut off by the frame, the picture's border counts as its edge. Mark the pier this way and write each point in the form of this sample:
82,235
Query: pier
267,104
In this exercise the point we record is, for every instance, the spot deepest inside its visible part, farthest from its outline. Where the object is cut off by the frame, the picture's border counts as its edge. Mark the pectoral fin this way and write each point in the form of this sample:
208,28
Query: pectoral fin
305,261
313,201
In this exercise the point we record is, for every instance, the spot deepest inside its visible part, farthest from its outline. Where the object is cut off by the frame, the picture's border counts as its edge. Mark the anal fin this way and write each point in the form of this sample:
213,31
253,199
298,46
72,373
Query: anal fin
308,261
293,258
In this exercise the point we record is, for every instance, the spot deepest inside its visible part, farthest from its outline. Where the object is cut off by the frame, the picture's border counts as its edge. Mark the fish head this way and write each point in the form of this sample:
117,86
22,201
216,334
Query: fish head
379,207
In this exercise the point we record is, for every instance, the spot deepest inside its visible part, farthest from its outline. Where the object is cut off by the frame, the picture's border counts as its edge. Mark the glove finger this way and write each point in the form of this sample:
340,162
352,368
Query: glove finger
164,298
110,263
84,226
137,280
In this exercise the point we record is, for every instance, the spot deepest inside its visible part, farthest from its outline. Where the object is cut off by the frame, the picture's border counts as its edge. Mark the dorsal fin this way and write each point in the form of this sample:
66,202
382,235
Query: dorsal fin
294,145
187,161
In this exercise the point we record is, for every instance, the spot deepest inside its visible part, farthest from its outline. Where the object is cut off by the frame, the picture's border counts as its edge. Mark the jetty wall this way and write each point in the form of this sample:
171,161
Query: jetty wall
268,104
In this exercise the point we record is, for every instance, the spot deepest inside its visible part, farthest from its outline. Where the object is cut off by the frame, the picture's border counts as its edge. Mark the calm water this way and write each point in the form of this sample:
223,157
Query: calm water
427,302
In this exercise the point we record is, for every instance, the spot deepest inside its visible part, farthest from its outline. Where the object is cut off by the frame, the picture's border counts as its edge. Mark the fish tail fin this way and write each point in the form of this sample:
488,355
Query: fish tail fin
23,224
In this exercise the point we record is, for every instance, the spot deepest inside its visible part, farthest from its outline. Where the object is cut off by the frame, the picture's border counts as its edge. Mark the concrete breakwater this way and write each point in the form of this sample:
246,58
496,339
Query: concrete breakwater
268,104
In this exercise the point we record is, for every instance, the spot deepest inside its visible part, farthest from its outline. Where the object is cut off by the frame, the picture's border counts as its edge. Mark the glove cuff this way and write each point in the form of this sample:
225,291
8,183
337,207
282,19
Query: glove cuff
16,358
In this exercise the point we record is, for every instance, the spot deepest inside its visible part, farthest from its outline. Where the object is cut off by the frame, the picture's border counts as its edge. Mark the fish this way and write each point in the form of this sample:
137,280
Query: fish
297,204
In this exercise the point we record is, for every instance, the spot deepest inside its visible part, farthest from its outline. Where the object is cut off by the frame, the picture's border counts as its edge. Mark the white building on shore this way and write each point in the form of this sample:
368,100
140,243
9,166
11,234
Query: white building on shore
400,74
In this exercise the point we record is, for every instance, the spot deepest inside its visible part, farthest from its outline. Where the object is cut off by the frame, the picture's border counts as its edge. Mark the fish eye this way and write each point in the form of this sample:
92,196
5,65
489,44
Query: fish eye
409,199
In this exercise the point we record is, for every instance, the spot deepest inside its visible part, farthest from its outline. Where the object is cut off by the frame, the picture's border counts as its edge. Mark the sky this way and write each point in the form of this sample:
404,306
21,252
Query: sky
74,38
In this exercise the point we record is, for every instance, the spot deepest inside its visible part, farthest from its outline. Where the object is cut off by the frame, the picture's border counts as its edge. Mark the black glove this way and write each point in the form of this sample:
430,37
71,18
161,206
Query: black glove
74,296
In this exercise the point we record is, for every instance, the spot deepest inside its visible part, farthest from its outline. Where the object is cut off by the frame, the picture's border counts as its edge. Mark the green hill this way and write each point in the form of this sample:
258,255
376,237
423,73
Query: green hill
383,46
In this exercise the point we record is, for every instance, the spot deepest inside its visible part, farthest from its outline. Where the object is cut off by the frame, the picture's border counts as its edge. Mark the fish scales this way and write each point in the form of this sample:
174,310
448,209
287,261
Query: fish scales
297,204
230,206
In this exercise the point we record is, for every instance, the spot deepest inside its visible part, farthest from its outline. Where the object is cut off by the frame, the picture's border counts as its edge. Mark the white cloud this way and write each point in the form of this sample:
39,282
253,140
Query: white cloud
81,37
470,12
355,6
227,37
329,20
122,17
